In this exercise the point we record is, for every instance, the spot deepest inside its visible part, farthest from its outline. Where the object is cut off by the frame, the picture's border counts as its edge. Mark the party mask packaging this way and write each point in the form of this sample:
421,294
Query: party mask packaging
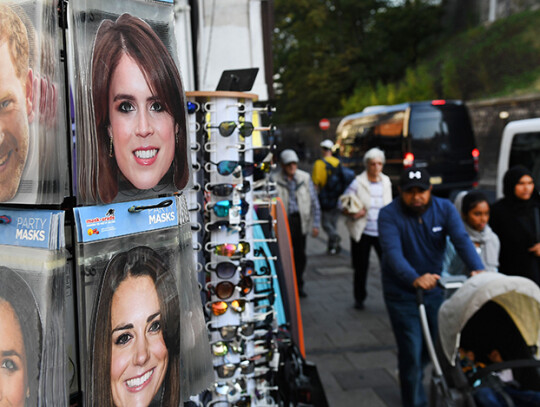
137,284
130,121
32,307
34,150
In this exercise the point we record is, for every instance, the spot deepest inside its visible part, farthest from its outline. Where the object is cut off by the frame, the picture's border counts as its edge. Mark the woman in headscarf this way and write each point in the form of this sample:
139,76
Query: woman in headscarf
516,220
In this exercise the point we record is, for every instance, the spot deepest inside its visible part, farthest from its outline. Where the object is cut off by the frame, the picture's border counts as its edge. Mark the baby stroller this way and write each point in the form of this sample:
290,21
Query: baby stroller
489,311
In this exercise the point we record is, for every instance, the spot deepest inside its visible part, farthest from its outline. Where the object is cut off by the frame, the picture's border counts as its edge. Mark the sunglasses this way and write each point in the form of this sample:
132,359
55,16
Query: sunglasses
220,307
227,189
222,208
227,128
230,249
193,107
225,289
229,369
230,388
244,401
227,167
227,269
229,332
225,224
221,348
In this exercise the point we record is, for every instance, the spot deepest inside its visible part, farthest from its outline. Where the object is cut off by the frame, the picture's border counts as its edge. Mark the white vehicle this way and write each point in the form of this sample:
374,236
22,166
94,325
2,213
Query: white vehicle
520,144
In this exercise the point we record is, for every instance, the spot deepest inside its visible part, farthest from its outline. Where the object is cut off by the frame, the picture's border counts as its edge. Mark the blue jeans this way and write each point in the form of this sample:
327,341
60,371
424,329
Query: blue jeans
412,352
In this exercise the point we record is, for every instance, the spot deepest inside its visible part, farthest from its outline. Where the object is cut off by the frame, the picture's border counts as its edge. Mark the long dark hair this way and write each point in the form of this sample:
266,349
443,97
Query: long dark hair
132,36
137,262
15,291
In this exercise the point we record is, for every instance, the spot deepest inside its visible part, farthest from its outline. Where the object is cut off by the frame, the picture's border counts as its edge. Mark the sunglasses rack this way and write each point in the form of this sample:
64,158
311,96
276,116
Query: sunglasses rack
241,318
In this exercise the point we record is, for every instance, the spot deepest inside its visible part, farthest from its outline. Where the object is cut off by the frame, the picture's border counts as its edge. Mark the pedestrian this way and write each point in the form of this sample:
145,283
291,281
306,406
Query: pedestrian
516,220
474,208
412,234
321,173
297,192
373,190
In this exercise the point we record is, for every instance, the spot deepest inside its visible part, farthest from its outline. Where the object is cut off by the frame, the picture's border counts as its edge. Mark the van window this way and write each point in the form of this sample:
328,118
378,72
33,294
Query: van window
526,151
431,126
383,130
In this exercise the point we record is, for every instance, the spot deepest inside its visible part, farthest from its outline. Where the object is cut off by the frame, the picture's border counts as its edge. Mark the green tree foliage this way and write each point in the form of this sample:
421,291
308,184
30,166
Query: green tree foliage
333,52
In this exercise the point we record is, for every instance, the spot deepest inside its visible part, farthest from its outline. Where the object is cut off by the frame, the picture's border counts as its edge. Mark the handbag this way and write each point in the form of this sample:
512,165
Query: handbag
351,203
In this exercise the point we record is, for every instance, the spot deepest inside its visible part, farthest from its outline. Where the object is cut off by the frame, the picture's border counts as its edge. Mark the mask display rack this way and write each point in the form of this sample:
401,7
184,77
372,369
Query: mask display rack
203,225
237,283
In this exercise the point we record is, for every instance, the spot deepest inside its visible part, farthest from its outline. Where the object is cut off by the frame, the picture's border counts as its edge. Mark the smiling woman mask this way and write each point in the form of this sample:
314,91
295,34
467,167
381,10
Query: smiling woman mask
139,109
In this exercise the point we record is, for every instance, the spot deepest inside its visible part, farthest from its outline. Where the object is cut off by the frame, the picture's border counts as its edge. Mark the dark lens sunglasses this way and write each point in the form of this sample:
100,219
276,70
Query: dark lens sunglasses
228,127
222,208
225,289
192,107
228,167
227,269
227,189
229,369
226,225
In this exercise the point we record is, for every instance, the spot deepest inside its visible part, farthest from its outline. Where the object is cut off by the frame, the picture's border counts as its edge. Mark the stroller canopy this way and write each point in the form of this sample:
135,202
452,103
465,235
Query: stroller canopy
519,296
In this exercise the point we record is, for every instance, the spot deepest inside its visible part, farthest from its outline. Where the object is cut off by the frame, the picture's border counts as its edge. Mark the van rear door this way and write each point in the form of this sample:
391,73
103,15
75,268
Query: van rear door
442,140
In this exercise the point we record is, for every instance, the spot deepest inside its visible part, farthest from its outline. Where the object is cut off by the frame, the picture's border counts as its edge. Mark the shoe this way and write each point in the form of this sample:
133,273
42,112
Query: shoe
332,251
359,305
302,293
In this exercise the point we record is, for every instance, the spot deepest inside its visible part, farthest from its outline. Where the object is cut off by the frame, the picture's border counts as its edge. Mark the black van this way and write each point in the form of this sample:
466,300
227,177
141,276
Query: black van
436,135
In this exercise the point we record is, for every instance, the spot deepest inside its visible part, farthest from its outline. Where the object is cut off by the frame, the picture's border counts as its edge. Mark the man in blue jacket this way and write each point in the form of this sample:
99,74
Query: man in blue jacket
412,234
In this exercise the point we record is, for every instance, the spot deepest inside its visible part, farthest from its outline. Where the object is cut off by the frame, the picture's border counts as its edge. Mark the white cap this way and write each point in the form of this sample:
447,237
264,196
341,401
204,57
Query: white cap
328,144
288,156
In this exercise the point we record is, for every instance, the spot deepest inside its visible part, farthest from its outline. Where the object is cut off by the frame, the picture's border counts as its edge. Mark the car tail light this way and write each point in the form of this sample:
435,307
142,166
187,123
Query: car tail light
475,153
408,160
438,102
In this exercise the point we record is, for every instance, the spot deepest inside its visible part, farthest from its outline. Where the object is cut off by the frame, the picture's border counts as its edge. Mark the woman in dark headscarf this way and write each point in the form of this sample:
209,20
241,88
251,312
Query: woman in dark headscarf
516,220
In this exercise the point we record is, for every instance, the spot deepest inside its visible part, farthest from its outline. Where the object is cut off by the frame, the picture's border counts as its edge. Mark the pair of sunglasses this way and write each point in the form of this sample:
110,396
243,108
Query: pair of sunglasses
220,307
227,189
229,369
227,269
228,167
230,388
229,332
222,348
225,289
222,208
230,249
193,107
228,127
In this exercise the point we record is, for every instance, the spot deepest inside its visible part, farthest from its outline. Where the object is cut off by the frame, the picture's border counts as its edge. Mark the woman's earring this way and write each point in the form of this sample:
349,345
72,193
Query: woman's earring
111,152
28,392
176,137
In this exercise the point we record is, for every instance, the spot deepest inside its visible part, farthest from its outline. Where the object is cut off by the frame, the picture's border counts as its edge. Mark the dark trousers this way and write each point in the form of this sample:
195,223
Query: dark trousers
299,247
360,263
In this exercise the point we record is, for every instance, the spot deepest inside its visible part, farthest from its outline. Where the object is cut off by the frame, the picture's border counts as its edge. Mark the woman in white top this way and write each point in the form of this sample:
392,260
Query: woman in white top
371,190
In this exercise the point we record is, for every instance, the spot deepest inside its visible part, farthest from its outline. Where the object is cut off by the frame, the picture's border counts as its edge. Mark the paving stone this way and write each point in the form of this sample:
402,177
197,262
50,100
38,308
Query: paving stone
374,359
357,398
363,378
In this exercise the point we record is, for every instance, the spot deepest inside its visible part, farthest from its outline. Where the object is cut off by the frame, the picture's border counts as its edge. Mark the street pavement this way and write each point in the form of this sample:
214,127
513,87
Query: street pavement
354,350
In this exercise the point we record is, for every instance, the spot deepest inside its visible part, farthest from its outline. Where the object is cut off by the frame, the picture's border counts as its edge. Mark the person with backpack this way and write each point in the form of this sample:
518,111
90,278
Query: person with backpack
327,177
365,196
